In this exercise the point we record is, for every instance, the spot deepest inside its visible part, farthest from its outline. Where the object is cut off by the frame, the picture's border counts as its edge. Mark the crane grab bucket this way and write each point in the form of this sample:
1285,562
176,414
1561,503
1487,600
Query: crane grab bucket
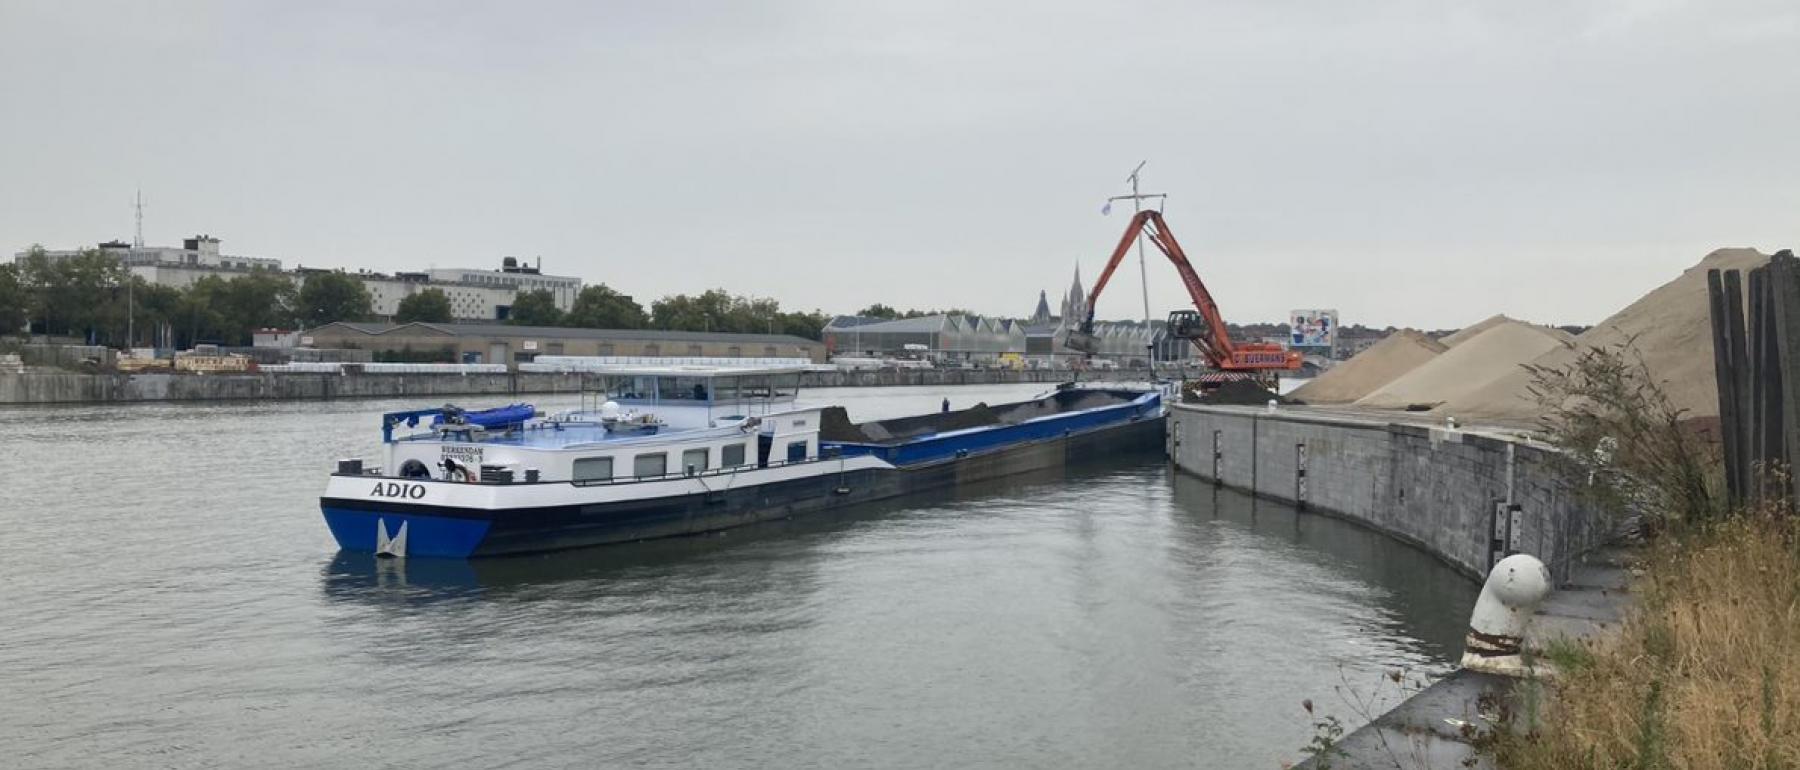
1083,342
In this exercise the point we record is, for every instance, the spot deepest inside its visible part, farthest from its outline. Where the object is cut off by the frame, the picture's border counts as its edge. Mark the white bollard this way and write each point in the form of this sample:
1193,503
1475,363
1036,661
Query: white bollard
1512,593
1271,406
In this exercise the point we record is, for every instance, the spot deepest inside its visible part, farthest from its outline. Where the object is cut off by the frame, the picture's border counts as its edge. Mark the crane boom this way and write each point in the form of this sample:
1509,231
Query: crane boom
1204,325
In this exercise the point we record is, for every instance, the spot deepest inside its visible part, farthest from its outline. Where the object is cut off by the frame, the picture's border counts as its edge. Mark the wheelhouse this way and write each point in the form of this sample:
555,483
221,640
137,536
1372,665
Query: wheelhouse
636,424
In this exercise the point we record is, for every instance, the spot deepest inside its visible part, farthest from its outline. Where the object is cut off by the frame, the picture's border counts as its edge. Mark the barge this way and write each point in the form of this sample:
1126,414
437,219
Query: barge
670,451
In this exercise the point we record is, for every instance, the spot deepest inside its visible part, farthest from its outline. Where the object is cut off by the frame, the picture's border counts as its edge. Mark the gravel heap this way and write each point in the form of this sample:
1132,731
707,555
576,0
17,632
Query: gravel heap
1671,327
1474,362
1395,355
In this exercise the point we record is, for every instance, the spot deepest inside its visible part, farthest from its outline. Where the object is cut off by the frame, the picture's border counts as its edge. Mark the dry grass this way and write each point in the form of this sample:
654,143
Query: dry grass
1704,674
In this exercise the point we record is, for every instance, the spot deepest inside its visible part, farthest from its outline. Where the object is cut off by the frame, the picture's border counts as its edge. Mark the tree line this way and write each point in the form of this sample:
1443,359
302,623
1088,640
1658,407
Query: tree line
94,297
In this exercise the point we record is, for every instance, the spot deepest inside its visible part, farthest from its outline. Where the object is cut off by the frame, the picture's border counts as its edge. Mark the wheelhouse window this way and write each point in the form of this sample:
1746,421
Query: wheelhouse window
796,451
693,461
593,469
630,388
681,389
785,385
724,389
650,465
731,455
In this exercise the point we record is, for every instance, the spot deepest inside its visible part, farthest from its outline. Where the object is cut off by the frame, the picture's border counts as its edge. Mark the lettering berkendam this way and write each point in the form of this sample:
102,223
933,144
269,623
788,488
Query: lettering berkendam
397,490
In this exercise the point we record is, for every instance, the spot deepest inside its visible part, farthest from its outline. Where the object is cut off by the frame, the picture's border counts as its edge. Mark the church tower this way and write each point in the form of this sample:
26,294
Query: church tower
1042,314
1074,307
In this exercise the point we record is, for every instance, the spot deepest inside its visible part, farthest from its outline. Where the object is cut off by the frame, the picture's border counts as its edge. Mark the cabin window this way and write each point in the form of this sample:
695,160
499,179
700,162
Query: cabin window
796,451
644,466
681,389
593,469
724,389
731,455
785,385
693,461
630,388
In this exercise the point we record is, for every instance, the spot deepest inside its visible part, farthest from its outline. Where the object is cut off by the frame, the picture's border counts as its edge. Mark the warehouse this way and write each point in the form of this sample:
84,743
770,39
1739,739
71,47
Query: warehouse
943,337
501,343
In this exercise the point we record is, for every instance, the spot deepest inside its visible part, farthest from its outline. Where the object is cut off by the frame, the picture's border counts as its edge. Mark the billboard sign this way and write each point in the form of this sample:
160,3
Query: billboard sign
1312,328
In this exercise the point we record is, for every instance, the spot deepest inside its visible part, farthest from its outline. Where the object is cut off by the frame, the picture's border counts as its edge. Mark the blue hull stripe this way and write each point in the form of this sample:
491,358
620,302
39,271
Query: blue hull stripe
936,448
425,535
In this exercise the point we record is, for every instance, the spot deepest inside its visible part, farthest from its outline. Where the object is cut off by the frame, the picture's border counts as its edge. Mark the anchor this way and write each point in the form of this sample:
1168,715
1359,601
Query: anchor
386,547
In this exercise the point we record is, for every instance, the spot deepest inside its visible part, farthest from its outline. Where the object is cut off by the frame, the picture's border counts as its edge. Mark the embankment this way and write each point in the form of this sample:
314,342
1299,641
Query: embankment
1435,488
64,388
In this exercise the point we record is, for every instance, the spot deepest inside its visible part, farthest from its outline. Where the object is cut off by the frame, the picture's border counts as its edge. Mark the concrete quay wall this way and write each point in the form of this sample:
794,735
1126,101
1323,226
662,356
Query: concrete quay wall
62,388
1428,486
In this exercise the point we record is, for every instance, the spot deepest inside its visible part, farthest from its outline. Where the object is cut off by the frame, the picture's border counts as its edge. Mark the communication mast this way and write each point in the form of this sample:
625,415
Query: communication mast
137,242
1137,204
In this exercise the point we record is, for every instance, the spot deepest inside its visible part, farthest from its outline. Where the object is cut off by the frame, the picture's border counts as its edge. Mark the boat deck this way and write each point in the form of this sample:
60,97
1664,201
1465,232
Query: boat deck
562,435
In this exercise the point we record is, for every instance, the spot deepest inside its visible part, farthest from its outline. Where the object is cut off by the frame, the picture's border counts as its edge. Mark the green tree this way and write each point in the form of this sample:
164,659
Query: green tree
601,307
13,300
536,308
878,310
720,311
75,295
262,299
328,297
430,306
200,315
157,308
808,325
707,312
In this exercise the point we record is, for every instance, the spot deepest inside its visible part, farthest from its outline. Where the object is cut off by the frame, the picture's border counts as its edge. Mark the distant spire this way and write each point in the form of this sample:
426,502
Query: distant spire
1042,314
1075,304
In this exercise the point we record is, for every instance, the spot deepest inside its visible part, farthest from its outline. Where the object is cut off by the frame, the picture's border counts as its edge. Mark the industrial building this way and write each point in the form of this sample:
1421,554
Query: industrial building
474,294
501,343
1039,340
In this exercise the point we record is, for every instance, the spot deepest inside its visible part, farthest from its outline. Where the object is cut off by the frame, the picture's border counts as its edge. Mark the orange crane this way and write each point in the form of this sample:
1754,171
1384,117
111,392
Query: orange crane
1203,325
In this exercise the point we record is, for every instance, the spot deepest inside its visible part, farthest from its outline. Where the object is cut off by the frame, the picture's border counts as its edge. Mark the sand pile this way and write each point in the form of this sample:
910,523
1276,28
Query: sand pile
1672,327
1395,355
1477,360
1453,339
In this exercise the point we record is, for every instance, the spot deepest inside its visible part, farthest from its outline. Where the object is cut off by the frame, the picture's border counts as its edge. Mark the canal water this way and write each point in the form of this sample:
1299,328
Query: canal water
172,599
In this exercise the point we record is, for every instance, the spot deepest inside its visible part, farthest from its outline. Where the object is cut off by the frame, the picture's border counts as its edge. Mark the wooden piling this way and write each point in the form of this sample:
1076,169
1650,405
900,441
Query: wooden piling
1725,372
1734,315
1784,280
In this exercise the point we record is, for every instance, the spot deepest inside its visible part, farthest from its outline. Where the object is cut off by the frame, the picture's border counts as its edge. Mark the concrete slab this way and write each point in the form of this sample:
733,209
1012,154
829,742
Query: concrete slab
1606,606
1598,576
1545,628
1432,729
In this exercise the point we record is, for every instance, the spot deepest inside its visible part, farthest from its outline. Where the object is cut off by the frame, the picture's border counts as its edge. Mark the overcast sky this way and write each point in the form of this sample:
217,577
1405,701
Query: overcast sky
1414,163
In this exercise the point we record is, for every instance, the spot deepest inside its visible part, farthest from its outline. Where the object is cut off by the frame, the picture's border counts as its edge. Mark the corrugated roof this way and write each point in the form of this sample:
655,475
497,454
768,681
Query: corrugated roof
565,332
920,325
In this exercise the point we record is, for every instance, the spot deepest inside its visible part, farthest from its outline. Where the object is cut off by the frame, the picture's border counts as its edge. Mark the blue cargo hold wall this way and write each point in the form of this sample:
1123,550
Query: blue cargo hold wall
1458,494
